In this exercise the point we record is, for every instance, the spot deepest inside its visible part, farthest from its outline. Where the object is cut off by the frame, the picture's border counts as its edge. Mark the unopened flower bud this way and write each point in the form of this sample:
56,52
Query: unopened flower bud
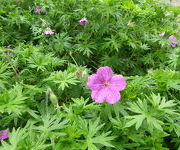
53,98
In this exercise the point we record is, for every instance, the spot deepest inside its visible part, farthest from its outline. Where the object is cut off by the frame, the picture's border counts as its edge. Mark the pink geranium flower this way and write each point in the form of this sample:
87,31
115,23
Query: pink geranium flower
8,52
105,86
173,39
4,134
9,47
38,10
48,32
162,34
173,44
83,22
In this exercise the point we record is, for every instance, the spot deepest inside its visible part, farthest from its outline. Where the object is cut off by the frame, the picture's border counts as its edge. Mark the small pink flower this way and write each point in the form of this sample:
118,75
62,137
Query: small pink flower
4,134
105,86
9,47
8,52
48,32
173,44
162,34
38,10
83,22
173,39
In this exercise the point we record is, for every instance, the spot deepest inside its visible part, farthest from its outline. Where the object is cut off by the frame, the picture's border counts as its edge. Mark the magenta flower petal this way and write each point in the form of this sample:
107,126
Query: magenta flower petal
83,21
4,134
38,10
173,44
94,83
112,96
99,96
48,32
118,83
105,73
107,94
172,38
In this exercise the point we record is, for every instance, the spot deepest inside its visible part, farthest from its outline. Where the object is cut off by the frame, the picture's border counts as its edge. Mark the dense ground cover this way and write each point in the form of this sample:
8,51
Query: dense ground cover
50,97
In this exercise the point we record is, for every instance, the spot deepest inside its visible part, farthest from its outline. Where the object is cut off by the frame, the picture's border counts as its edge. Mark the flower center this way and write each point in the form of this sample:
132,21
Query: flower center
105,84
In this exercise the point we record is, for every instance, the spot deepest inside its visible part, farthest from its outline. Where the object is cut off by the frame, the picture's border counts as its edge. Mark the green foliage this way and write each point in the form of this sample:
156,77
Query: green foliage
89,131
4,75
12,101
160,108
120,28
62,79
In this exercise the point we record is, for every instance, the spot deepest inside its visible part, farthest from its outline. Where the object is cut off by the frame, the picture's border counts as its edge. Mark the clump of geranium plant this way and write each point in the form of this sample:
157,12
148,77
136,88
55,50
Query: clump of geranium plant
54,95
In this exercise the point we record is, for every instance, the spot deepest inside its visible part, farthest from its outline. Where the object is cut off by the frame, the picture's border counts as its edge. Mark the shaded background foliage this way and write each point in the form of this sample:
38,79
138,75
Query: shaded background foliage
43,96
125,33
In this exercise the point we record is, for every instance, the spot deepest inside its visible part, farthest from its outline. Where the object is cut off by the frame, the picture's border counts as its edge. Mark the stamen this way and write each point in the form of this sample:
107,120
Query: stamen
106,84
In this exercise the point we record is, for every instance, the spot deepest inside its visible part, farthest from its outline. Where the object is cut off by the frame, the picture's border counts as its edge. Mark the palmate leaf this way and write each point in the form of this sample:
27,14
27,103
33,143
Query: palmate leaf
63,79
166,79
43,62
138,107
177,129
81,105
24,139
136,119
154,123
2,84
4,74
174,84
50,124
15,137
174,58
85,48
62,42
104,139
112,43
150,113
93,134
161,104
12,101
